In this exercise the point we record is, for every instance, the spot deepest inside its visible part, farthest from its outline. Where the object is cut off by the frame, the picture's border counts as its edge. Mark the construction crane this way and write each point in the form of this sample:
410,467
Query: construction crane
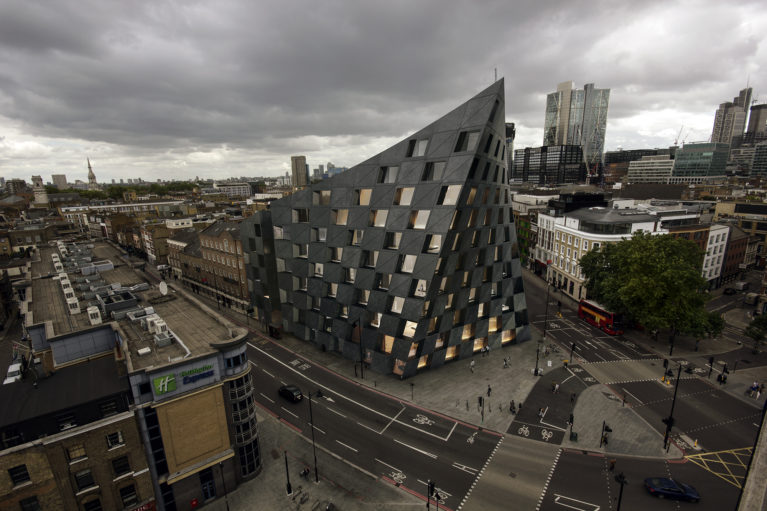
678,135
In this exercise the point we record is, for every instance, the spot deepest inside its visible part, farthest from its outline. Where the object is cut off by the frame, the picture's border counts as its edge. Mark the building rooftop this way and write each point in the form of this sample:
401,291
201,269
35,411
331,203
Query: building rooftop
612,216
192,327
68,387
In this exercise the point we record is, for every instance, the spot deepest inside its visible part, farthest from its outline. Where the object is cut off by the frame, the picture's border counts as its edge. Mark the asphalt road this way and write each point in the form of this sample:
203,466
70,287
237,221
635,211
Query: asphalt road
390,438
584,482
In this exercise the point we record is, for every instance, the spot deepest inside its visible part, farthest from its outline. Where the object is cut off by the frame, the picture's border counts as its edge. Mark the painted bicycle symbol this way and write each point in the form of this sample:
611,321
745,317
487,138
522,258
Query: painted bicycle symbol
422,419
471,438
524,430
398,477
589,379
546,435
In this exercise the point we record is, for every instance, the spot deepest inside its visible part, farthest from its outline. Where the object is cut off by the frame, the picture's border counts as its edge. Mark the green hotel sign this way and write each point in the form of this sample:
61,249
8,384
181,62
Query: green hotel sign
167,383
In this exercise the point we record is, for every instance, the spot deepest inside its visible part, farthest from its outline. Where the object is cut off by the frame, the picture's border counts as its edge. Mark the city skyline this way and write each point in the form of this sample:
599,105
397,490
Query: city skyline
159,90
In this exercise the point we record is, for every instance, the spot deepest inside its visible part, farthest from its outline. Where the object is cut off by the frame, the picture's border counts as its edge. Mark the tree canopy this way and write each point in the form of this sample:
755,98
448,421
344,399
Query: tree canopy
654,280
757,330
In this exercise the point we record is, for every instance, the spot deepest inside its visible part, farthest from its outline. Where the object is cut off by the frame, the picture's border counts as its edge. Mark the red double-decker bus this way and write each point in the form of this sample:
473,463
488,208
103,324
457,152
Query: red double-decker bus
600,317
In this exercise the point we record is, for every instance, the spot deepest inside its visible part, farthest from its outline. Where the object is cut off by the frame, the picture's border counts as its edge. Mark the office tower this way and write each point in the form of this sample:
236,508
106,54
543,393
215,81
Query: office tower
298,168
549,165
730,118
510,134
699,163
59,181
409,259
578,117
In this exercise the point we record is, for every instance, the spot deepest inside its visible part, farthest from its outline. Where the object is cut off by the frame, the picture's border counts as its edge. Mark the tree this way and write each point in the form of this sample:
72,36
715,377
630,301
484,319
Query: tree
757,330
654,280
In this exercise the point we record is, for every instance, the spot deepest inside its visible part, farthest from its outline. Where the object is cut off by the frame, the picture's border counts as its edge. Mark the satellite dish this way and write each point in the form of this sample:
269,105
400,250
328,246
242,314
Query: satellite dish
163,288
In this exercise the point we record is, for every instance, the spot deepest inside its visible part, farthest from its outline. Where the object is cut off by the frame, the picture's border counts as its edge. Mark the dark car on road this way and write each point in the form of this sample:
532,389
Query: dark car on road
667,488
291,393
729,291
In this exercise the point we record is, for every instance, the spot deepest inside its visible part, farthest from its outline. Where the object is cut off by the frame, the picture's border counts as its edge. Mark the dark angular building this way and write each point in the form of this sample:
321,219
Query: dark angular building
409,259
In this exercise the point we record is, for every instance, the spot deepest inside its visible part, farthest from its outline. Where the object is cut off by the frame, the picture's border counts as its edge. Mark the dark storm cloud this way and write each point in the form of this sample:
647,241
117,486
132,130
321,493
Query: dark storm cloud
198,86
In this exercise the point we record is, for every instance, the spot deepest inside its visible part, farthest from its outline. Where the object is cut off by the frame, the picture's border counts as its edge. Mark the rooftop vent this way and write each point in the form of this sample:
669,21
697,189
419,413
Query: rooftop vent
144,351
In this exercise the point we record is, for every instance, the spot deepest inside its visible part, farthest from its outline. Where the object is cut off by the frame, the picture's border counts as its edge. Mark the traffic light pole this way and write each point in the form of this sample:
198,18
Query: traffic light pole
670,420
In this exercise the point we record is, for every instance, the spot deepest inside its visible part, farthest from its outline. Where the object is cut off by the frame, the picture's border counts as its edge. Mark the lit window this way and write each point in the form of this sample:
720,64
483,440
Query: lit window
409,330
448,196
396,304
403,196
407,263
388,174
378,217
419,219
363,196
341,216
433,244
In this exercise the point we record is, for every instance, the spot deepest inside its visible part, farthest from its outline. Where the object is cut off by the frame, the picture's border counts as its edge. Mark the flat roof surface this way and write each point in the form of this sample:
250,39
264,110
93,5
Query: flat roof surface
68,387
192,325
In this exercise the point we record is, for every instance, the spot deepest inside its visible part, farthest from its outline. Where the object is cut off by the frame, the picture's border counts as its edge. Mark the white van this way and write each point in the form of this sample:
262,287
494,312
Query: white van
14,374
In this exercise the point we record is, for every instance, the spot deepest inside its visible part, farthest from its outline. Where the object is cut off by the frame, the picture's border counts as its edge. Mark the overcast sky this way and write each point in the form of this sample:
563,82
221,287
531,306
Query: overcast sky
218,89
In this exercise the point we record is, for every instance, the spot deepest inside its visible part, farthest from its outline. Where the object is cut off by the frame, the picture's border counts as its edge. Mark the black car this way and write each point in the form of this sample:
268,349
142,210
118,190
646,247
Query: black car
665,487
291,393
729,291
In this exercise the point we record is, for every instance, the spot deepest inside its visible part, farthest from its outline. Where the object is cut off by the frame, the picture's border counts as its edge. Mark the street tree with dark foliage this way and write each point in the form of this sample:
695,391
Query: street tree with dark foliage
653,280
757,330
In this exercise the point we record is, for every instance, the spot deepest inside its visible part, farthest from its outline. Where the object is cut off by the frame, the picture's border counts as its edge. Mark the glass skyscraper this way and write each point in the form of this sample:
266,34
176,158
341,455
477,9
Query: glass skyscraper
577,117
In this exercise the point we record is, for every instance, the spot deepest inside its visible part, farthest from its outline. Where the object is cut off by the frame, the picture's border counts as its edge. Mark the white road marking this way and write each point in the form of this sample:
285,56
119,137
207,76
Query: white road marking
368,427
416,449
384,463
579,506
318,429
392,420
460,466
291,413
335,412
348,447
267,398
267,372
632,395
319,385
451,431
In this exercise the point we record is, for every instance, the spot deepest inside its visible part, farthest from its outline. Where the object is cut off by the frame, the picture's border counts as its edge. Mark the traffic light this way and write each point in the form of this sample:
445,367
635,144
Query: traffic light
711,361
431,488
608,429
665,363
669,421
572,419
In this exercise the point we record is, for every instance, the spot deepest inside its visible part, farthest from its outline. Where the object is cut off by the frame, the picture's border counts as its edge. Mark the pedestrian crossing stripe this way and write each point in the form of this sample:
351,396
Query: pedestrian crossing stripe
729,465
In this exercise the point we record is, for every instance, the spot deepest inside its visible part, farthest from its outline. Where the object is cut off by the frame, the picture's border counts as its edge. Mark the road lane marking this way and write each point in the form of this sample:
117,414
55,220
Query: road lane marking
268,399
392,420
465,468
632,395
384,463
318,429
590,506
365,407
347,446
335,412
291,413
368,427
451,431
416,449
267,372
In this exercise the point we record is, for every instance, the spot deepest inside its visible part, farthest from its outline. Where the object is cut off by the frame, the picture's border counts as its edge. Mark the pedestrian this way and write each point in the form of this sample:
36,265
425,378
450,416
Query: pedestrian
612,465
540,413
519,408
556,388
488,390
572,398
505,363
471,366
760,390
512,408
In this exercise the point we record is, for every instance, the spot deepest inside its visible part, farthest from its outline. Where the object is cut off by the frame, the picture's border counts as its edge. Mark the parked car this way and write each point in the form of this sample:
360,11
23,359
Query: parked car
729,291
14,374
291,393
667,488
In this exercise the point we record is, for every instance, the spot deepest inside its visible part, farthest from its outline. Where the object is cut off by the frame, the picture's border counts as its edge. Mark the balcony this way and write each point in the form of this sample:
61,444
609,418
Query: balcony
244,415
241,392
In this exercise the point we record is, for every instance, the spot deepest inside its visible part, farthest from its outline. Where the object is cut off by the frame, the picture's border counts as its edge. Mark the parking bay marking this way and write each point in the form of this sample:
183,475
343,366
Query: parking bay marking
467,469
572,503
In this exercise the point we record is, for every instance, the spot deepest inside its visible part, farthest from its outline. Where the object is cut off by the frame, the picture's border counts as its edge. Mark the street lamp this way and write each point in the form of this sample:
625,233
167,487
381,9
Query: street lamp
546,315
621,479
669,421
287,473
314,447
223,481
362,354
